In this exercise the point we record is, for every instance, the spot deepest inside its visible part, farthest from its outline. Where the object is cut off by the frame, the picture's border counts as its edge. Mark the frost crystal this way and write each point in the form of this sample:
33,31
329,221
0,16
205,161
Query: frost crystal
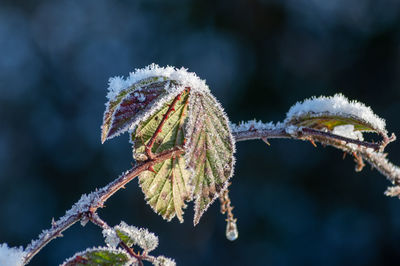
111,238
181,75
163,261
253,125
336,105
348,131
11,256
140,237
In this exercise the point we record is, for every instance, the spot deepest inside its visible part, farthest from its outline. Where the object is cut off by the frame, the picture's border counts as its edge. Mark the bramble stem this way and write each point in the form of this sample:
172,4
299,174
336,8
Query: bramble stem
370,152
90,203
87,206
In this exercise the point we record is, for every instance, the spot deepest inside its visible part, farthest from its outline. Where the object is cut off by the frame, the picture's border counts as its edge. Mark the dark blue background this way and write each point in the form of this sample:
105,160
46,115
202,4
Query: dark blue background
295,204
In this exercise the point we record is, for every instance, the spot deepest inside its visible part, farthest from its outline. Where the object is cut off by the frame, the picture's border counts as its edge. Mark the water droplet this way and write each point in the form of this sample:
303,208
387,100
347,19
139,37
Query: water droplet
231,231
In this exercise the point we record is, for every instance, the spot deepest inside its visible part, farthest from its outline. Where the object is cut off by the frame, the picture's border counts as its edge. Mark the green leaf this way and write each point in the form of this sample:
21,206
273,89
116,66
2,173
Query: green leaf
99,257
125,108
209,151
125,238
168,188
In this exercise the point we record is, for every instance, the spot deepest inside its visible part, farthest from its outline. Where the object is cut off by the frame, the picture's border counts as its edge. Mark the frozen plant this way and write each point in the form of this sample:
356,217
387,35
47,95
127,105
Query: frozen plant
183,147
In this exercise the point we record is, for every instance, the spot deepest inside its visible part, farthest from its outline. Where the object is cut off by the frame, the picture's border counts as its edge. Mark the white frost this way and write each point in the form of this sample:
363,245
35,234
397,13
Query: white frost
111,238
11,256
181,75
348,132
163,261
140,236
253,125
336,105
108,249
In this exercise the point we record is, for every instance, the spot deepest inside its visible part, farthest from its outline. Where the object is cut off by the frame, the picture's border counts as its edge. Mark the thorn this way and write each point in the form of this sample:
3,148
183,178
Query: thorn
266,141
151,169
184,141
344,155
178,97
53,223
313,143
172,109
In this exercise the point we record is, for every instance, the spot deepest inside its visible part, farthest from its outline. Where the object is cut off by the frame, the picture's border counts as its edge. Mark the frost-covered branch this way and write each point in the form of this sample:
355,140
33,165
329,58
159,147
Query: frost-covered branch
361,150
84,209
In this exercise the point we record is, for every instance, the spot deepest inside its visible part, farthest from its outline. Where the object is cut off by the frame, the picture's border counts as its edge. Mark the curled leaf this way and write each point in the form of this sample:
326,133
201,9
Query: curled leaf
330,112
125,108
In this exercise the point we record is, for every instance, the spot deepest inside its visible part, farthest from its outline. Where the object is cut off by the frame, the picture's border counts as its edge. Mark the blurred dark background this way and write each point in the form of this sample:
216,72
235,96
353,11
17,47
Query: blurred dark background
295,204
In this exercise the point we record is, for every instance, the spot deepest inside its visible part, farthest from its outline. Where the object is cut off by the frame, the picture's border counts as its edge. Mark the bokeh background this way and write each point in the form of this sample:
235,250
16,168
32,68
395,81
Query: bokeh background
295,204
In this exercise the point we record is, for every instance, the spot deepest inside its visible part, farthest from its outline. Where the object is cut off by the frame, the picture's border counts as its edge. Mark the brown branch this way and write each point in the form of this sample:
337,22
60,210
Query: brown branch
88,204
370,152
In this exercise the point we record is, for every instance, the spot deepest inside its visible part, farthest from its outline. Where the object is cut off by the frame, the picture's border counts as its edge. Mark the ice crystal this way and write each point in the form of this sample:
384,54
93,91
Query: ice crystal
163,261
111,238
11,256
140,236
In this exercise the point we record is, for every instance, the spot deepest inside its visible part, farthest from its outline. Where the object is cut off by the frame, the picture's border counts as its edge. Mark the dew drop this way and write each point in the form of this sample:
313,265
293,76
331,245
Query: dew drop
231,231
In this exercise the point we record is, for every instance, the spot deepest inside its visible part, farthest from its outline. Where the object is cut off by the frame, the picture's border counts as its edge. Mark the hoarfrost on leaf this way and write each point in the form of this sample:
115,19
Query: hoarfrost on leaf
329,112
100,256
163,261
209,150
111,237
11,256
141,237
348,131
135,98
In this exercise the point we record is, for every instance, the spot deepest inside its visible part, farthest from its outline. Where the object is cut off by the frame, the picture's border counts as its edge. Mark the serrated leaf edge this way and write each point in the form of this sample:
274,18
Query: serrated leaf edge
94,249
188,150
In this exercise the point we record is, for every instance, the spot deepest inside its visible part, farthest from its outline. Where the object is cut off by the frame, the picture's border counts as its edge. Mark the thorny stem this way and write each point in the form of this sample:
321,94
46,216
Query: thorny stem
171,108
99,198
361,148
371,152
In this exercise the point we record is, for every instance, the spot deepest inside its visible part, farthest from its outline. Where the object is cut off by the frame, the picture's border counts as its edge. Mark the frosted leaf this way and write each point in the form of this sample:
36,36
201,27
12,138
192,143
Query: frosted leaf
169,184
163,261
141,237
11,256
166,189
145,90
209,150
329,112
100,257
125,108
